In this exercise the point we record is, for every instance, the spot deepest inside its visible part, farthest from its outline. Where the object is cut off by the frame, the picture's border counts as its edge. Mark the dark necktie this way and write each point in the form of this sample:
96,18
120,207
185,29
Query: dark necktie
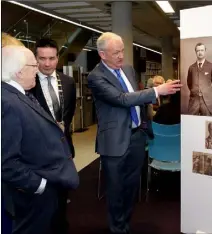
55,102
200,65
133,112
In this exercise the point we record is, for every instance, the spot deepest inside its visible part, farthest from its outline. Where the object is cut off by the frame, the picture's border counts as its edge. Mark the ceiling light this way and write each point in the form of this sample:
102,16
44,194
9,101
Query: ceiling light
54,16
72,22
86,49
178,28
165,6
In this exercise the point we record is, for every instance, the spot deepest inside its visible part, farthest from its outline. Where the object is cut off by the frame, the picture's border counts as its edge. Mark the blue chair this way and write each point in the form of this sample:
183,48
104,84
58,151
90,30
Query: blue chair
164,149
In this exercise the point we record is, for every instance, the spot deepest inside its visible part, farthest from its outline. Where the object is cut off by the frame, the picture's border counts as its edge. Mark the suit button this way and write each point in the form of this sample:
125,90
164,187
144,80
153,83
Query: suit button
63,139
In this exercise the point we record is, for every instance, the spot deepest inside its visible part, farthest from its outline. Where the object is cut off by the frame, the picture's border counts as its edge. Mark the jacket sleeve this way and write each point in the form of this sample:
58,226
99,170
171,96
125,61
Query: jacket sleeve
105,91
14,170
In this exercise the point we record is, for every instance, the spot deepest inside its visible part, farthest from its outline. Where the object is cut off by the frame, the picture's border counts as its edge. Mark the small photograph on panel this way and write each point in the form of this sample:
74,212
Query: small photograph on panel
208,135
208,164
198,162
196,76
202,163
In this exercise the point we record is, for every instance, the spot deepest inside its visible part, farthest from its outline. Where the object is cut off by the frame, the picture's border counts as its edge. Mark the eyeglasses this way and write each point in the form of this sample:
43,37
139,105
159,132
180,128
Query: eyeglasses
32,65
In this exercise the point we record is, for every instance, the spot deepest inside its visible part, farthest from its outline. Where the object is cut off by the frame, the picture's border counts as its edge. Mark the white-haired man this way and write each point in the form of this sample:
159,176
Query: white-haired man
121,134
36,161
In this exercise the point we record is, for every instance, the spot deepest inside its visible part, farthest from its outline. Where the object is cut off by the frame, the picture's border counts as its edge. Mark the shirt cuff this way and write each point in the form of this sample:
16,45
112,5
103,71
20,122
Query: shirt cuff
42,186
156,92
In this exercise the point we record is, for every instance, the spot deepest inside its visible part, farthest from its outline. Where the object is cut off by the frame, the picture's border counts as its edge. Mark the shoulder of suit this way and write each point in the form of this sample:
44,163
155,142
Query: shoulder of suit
65,77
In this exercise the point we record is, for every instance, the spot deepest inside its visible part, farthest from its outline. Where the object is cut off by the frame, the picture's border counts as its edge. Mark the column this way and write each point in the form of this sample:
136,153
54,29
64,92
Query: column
167,60
122,25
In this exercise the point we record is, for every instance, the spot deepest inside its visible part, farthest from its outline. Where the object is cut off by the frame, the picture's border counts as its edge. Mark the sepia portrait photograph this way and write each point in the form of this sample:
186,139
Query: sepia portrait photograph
196,76
208,135
202,163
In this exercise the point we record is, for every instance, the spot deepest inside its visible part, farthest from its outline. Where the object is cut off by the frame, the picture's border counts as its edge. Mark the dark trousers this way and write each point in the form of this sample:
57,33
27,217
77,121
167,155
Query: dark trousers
122,182
197,106
60,225
35,213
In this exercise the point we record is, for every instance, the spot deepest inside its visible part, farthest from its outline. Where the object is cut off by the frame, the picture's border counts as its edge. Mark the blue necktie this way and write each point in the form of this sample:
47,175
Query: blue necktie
133,112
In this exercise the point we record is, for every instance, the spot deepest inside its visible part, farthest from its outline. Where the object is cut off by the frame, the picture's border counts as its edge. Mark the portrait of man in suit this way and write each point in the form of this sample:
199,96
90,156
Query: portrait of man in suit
199,81
56,93
122,128
36,160
208,139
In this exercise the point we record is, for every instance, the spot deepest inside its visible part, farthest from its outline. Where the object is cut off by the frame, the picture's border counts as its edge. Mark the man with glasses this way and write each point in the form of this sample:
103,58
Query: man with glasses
122,126
36,160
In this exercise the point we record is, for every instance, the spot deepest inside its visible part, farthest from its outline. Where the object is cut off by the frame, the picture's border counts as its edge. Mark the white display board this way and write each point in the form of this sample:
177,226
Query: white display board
196,180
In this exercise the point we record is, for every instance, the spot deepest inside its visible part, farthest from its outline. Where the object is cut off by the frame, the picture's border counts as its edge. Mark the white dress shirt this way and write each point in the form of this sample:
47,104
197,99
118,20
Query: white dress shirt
44,85
42,185
130,89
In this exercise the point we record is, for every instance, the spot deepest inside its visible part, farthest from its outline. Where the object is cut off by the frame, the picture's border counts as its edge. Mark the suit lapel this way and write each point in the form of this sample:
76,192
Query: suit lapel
36,107
110,77
38,93
30,103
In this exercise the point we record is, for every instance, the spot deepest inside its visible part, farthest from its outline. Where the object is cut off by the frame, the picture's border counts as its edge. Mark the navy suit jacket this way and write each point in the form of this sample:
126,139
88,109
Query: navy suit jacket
113,108
69,95
33,146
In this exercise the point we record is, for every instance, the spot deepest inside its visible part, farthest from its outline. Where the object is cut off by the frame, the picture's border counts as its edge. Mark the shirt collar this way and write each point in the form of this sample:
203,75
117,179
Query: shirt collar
42,76
201,62
109,68
16,85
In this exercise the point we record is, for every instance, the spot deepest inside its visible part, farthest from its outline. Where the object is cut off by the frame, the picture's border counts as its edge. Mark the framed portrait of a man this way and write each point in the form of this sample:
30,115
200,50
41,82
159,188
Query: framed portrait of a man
196,76
208,135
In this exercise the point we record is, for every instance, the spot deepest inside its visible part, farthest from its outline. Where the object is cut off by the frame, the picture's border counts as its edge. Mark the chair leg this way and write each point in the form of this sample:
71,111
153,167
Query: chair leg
99,182
148,182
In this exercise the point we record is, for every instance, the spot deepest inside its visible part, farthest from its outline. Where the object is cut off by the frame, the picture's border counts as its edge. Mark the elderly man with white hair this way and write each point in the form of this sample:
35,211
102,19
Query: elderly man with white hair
122,127
36,161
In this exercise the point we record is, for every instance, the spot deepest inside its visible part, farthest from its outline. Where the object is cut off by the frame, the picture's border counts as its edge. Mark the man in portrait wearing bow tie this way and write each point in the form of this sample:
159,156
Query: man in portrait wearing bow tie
121,134
56,93
199,82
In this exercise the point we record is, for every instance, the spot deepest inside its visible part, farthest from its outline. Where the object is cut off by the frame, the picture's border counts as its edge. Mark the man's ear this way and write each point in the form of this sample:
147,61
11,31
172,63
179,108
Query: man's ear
102,54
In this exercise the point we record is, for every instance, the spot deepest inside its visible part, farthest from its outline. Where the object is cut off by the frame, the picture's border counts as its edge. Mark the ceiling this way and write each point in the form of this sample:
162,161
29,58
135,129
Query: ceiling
149,22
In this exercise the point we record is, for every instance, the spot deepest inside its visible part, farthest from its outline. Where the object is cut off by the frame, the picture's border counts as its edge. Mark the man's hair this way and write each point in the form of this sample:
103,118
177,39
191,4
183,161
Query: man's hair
199,44
7,40
46,43
13,60
104,39
158,79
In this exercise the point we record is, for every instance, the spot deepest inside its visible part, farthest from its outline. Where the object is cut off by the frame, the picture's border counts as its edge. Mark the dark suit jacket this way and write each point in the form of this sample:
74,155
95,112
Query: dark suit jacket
201,79
69,92
113,108
33,146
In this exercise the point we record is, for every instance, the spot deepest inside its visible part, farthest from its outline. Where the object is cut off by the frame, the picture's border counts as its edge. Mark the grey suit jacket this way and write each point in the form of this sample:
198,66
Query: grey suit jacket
113,108
201,80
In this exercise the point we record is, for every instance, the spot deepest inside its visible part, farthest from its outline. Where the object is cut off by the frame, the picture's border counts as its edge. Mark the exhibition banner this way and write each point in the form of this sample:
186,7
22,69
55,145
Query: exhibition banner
196,119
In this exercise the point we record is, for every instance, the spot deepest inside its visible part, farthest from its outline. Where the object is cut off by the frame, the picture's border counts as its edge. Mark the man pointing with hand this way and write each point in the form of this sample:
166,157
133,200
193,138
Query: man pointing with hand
120,137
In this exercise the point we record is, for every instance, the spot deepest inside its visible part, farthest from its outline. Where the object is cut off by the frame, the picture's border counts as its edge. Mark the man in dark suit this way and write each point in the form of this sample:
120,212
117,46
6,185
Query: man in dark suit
121,131
56,93
199,82
36,160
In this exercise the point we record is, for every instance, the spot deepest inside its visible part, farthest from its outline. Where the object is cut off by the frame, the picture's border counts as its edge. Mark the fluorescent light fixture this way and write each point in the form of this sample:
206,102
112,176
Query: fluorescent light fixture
96,19
89,15
165,6
78,10
26,40
72,22
54,16
64,4
86,49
